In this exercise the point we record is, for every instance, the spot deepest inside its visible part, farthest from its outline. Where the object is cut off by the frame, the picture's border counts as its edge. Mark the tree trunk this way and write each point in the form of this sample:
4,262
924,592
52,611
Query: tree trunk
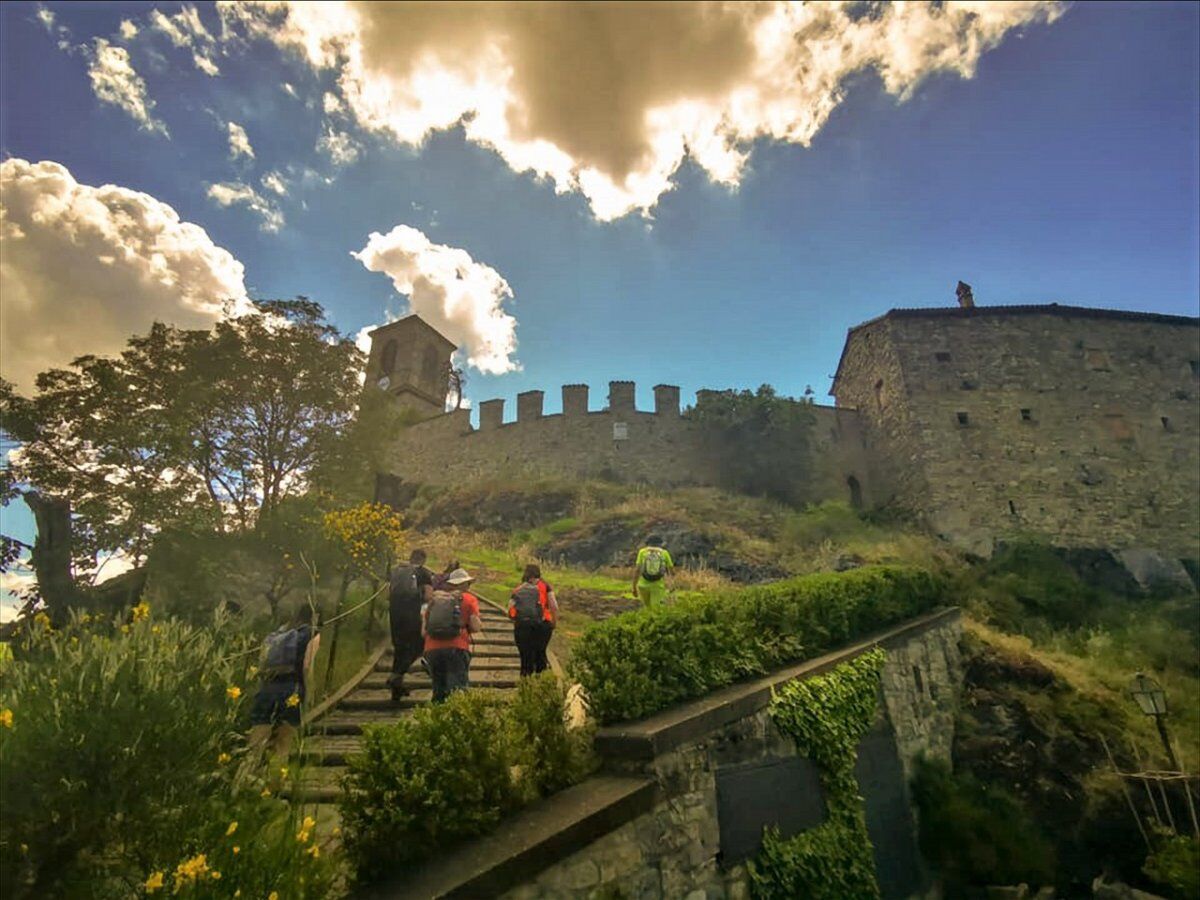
51,554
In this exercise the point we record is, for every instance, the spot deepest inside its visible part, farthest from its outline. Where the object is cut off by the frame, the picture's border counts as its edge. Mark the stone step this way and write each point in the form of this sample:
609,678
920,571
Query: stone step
342,722
483,657
382,700
330,750
417,679
320,784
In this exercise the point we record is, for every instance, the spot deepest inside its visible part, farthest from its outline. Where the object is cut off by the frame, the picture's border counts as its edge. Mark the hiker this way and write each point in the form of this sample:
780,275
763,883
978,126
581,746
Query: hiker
288,653
650,572
534,611
410,587
439,581
448,620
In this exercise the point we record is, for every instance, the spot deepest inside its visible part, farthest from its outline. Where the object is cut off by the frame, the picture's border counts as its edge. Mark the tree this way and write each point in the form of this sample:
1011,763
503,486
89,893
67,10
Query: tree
759,440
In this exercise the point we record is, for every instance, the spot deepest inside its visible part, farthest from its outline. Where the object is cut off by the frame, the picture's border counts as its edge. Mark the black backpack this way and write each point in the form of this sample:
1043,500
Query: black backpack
405,593
444,621
285,652
527,603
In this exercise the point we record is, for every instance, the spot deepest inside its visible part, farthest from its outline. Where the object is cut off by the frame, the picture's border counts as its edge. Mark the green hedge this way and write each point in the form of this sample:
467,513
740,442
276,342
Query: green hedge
452,772
638,663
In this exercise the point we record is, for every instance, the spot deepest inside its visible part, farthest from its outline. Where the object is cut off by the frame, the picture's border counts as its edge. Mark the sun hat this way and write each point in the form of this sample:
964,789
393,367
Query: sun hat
459,576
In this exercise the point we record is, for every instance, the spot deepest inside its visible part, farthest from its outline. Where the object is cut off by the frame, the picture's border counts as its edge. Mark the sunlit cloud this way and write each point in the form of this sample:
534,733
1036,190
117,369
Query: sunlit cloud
186,31
237,193
239,142
114,81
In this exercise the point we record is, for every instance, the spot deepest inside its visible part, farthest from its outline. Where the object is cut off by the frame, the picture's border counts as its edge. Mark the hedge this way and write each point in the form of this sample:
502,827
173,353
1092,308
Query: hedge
644,661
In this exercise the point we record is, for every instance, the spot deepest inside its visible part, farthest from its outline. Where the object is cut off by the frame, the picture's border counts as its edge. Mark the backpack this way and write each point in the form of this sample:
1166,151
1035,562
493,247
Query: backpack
443,621
527,603
285,652
654,564
404,591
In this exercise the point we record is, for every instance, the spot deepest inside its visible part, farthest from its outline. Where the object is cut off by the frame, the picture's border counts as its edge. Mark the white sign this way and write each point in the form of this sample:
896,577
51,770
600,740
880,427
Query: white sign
620,431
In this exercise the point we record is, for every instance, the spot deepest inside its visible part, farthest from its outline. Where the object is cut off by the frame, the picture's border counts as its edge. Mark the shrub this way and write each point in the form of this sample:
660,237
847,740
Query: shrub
638,663
119,760
1175,864
452,771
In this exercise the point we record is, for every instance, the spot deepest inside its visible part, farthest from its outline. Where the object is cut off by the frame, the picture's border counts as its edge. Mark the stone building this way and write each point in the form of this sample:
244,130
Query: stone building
1079,426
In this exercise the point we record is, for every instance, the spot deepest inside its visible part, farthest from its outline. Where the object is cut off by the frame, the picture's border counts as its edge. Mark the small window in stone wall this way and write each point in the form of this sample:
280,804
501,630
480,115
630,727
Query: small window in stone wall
963,418
1166,423
942,357
1027,415
879,393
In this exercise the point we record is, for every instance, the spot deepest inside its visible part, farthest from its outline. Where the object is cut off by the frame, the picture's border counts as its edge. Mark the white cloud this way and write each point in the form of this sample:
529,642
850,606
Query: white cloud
274,182
338,146
237,193
46,17
461,298
239,142
186,31
331,103
86,267
115,81
609,101
128,30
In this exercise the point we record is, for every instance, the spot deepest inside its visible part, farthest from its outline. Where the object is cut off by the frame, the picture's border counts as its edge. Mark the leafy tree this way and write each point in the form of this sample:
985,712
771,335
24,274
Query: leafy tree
756,437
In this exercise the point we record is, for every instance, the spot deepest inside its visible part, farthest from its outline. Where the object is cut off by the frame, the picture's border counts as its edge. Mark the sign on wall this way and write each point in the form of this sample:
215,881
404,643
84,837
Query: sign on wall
620,431
786,793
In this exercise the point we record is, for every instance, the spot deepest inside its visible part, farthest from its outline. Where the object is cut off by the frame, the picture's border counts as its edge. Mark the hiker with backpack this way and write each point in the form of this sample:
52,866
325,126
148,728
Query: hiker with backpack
448,620
650,572
534,611
288,653
410,588
439,581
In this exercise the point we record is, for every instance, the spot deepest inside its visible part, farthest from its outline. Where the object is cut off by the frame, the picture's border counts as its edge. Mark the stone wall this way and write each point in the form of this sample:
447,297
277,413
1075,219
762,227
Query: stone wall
1078,426
674,850
621,443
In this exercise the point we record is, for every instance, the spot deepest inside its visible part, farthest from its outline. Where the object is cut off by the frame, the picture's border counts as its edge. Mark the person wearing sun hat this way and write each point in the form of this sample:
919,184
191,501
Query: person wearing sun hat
447,621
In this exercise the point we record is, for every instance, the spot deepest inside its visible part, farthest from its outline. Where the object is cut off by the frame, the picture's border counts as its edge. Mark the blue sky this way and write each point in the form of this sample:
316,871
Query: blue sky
1065,169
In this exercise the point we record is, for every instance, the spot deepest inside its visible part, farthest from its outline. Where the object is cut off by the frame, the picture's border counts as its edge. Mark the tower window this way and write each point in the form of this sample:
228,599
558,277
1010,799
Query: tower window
1026,415
388,361
1012,508
963,418
1166,422
879,393
942,356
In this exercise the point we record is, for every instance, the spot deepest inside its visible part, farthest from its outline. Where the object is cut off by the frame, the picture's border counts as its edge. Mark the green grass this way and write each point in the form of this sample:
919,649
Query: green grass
353,644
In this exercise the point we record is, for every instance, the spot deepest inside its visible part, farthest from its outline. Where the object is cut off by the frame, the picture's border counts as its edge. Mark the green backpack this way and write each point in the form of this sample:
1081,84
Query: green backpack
654,564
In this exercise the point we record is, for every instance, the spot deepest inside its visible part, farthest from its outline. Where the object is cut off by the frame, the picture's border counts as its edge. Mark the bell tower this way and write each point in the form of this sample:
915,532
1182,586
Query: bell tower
410,359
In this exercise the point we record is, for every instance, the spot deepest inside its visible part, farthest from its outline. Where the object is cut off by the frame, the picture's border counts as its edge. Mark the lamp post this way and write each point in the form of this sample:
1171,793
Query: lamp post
1152,700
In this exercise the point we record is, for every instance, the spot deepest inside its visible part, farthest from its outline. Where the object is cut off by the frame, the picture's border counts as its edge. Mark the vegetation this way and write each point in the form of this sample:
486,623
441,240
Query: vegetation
124,740
452,771
647,660
827,716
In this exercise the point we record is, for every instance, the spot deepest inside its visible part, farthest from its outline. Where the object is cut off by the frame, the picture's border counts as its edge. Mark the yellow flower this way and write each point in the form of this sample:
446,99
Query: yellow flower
337,829
224,758
141,611
266,792
216,876
74,640
283,771
231,829
6,718
252,671
154,882
293,700
233,692
24,848
236,849
302,835
274,895
190,870
155,629
314,851
309,822
124,629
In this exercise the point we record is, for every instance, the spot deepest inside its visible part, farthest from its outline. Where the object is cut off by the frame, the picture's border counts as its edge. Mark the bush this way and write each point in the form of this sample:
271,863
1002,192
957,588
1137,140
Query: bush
977,835
640,662
1175,864
453,771
119,761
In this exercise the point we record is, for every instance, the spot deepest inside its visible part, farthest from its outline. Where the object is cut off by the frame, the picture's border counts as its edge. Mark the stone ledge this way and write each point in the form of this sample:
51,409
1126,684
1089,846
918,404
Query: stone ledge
526,843
648,738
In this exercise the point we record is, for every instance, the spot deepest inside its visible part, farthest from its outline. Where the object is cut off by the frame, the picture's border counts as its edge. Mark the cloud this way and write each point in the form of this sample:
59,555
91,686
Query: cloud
86,267
274,182
115,81
239,142
609,101
128,30
339,146
461,298
237,193
186,31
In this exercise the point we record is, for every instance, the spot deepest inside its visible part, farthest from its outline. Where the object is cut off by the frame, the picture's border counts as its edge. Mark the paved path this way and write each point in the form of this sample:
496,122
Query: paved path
495,664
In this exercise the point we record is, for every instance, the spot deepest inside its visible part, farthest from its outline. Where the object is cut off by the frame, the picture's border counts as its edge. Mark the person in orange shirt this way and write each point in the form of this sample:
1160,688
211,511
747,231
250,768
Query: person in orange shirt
534,611
447,622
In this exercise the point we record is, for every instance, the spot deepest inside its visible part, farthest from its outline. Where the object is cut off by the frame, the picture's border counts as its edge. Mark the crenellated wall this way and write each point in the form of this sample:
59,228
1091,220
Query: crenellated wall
663,447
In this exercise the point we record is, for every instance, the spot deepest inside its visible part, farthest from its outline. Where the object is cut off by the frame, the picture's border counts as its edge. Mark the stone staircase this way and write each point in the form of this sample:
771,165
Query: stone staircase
337,734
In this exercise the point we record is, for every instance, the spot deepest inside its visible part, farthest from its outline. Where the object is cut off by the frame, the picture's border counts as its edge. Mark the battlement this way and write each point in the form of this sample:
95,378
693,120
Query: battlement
621,401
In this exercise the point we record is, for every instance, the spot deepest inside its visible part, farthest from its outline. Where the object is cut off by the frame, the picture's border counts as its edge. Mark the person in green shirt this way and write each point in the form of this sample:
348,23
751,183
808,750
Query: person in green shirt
650,572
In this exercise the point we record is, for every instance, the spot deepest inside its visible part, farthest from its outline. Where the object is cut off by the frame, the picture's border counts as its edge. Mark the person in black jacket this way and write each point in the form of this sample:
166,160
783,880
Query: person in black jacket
411,586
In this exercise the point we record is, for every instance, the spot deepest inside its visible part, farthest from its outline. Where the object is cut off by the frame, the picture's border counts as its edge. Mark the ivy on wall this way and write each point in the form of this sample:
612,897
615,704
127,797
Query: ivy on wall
827,716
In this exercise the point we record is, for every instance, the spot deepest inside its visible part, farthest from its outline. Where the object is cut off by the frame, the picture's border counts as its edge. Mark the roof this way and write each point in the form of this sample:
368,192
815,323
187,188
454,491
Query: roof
1046,309
409,320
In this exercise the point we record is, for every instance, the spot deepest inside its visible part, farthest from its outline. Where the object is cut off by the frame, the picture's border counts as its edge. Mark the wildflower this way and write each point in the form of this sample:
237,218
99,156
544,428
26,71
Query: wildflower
314,851
155,629
190,870
154,882
337,829
141,611
309,822
293,700
216,876
6,718
252,671
283,771
233,692
302,835
124,629
74,640
231,829
24,849
266,792
236,849
274,895
223,758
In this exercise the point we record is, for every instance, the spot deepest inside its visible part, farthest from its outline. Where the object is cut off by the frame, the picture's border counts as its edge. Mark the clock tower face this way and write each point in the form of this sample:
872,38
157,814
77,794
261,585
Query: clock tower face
384,383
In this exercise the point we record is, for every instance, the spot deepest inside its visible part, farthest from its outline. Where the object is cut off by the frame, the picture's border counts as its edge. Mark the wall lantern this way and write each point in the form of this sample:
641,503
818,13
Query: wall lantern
1149,695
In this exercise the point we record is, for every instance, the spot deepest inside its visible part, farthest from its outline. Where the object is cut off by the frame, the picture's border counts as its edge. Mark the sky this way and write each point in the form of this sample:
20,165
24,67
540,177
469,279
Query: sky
670,193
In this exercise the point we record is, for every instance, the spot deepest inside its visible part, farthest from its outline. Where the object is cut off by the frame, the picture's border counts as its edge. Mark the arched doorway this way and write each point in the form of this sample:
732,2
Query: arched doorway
856,500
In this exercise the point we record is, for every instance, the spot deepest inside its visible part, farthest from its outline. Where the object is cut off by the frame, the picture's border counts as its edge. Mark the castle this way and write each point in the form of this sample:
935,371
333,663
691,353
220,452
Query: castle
1076,425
